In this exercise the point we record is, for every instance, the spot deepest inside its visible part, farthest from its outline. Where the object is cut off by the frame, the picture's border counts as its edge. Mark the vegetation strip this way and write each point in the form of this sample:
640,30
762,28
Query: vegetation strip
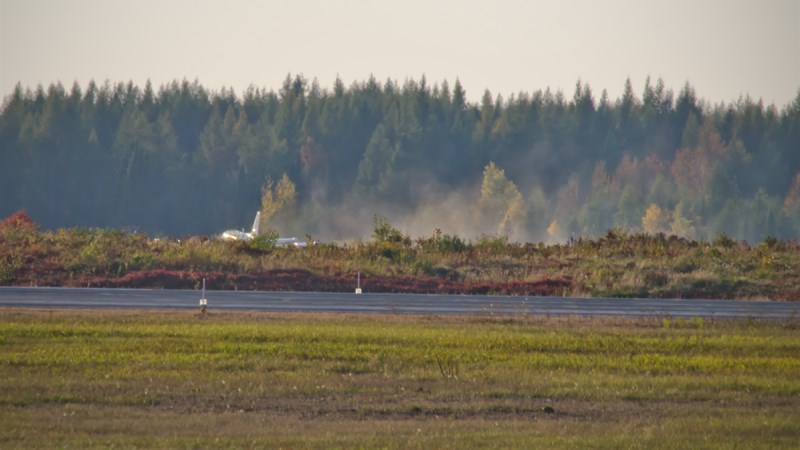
616,265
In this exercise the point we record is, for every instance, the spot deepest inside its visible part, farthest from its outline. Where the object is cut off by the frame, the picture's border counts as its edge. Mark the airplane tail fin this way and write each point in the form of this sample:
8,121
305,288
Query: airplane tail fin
256,224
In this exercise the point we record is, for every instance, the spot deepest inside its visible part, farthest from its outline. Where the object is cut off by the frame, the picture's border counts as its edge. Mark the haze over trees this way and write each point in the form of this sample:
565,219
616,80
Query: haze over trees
182,160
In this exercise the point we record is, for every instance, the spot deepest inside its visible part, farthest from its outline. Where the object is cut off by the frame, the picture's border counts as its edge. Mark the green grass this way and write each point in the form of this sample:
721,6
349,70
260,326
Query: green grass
88,379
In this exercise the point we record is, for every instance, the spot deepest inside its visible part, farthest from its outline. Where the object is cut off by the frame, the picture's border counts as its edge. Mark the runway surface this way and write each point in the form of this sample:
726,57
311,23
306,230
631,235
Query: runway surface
96,298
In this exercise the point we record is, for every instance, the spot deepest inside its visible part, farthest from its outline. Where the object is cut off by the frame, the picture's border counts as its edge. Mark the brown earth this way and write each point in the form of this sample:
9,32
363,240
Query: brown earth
304,280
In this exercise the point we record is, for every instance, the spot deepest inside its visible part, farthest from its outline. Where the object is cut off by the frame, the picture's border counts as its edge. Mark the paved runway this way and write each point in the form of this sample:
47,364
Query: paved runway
390,303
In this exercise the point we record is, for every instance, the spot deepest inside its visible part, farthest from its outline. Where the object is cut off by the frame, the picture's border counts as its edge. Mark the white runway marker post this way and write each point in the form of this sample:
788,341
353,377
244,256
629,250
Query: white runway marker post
203,301
358,285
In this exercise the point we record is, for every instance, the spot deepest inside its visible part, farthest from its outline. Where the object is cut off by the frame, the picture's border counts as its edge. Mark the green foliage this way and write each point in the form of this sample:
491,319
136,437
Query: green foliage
116,154
384,232
264,242
629,210
9,265
492,243
443,242
422,267
378,164
723,240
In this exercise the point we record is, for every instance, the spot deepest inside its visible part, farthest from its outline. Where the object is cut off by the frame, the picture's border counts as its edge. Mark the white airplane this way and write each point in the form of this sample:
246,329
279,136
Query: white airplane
236,235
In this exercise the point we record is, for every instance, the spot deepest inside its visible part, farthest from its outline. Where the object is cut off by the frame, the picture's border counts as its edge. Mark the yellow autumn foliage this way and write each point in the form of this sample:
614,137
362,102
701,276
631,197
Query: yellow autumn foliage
656,220
278,197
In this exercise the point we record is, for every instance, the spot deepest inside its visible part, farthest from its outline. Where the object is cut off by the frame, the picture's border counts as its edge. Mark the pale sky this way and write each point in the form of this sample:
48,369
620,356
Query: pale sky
725,49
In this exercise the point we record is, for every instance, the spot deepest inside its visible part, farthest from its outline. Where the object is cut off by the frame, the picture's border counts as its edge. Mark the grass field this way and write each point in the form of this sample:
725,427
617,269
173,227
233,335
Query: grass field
83,379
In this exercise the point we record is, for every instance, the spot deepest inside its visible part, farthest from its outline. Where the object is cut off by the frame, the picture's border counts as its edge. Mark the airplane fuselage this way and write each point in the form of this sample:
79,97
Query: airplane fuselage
236,235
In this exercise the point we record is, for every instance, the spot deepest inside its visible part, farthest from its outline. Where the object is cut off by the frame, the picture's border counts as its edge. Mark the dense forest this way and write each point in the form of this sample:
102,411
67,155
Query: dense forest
542,166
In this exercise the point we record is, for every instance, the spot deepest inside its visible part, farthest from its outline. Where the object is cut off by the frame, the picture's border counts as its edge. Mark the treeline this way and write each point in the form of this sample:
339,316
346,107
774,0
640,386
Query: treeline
185,160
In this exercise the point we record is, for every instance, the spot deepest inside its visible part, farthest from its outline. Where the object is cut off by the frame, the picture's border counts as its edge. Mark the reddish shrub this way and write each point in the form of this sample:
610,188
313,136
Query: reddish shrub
20,220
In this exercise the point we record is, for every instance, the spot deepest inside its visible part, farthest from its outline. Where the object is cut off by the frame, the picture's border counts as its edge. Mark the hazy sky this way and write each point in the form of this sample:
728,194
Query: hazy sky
724,48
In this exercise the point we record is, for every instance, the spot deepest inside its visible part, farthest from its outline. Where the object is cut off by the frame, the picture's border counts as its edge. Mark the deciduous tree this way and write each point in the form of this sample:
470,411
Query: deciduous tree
656,220
277,198
500,202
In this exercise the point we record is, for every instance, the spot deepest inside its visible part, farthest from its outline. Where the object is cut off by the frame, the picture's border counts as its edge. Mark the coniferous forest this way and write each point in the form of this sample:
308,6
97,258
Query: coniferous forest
182,160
